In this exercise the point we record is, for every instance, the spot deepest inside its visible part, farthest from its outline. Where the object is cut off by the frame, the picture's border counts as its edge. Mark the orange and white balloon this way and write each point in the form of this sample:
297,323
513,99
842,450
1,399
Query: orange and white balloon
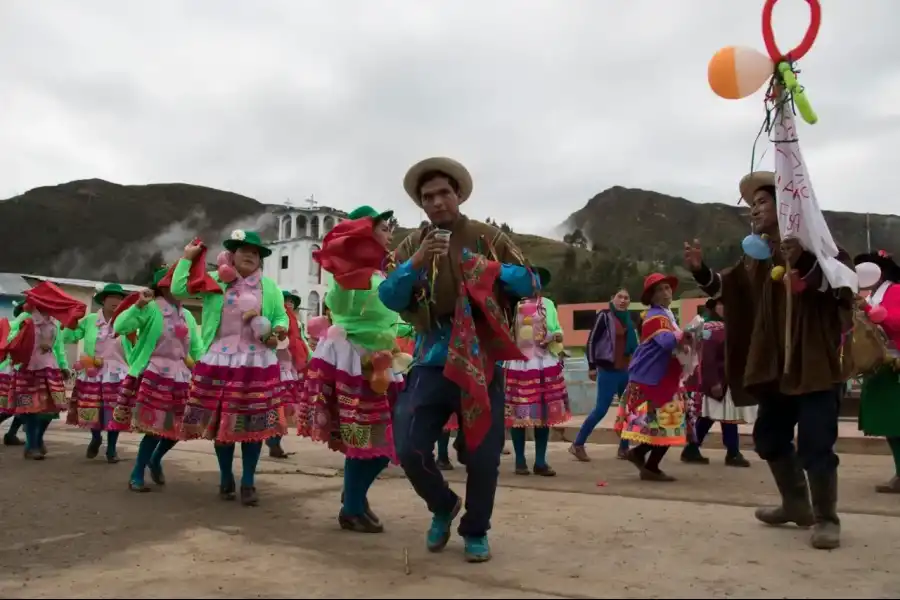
736,72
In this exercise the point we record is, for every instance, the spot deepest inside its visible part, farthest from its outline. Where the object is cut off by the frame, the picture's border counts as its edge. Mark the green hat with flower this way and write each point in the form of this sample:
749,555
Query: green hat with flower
292,296
367,211
110,289
240,237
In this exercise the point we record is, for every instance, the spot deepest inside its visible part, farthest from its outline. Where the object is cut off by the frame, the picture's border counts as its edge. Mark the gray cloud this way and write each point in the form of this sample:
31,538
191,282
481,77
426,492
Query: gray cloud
547,103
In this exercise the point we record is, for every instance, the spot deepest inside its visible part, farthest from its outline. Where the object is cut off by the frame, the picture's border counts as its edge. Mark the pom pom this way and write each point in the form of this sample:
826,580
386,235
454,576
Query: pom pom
777,273
707,334
381,361
225,258
877,314
260,326
227,273
798,284
87,362
317,327
526,333
336,333
98,362
181,331
402,362
189,362
380,382
756,247
92,372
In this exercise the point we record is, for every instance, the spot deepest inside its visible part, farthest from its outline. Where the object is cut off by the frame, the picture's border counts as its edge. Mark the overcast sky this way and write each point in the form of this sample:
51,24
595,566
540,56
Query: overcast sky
546,102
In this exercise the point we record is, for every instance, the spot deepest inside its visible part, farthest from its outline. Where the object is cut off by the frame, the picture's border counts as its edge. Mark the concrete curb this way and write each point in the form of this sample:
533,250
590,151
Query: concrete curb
605,435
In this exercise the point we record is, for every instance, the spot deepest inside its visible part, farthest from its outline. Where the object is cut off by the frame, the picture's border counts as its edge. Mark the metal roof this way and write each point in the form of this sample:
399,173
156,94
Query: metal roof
12,284
85,283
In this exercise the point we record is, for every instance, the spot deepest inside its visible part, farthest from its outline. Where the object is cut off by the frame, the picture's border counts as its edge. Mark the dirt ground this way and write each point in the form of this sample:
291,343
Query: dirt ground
72,530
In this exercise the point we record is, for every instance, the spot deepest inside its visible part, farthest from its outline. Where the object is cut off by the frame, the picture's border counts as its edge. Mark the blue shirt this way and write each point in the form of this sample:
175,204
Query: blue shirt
396,293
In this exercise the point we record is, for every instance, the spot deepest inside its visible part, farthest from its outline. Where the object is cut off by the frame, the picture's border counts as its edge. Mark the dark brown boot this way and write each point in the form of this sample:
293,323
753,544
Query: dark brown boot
795,505
826,533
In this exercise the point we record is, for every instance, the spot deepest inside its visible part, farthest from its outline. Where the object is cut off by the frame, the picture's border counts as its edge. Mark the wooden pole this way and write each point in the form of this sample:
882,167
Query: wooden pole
788,317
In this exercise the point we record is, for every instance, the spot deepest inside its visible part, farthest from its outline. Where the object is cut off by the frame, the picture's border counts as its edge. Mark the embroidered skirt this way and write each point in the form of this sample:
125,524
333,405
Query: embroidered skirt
42,391
639,421
291,391
151,403
341,408
95,397
536,394
6,376
235,398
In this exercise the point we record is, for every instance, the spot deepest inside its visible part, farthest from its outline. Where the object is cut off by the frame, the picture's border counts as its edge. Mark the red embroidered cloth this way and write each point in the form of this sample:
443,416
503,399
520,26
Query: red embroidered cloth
478,344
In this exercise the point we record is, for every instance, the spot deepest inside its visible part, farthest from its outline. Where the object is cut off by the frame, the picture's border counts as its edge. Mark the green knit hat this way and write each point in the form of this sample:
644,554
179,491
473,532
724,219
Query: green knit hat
110,289
367,211
294,298
239,238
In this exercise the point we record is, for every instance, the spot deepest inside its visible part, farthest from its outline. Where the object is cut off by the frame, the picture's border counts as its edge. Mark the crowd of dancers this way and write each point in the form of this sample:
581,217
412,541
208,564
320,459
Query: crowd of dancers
449,332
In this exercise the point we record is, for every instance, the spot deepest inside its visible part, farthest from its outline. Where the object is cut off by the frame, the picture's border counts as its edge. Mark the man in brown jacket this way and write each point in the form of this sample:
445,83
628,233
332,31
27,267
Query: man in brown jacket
805,395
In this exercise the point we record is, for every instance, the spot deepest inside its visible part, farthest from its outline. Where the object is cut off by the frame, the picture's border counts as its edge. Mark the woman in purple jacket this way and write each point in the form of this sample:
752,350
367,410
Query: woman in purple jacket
610,345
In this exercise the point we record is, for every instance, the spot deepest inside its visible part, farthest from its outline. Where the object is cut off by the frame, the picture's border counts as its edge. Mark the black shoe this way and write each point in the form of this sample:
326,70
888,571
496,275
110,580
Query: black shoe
359,524
12,440
93,449
736,460
227,491
248,496
691,454
444,464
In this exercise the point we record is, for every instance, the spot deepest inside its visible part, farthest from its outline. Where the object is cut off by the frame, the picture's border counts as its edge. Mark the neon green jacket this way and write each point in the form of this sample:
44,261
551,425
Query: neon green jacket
147,321
87,330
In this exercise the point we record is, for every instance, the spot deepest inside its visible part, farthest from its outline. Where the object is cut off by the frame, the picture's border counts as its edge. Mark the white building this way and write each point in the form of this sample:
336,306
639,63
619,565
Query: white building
300,232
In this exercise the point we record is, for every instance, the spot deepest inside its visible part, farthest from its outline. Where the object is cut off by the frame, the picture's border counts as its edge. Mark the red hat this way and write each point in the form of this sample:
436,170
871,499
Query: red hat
654,279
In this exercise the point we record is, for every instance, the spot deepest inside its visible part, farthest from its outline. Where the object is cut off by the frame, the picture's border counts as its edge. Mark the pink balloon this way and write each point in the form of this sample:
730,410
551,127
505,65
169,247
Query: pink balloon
877,314
225,258
246,302
227,274
260,326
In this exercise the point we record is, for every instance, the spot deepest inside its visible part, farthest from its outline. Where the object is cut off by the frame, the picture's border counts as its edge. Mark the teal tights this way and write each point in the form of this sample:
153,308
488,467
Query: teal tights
151,451
541,438
35,426
359,475
250,452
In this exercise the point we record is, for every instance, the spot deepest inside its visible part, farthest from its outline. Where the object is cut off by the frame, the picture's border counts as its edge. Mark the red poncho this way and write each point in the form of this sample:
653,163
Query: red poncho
351,253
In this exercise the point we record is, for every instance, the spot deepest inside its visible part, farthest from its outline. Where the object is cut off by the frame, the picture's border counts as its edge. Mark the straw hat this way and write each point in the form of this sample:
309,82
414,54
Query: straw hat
753,181
441,164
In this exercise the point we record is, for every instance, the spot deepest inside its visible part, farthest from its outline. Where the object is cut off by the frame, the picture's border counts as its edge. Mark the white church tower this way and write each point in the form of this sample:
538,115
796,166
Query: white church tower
300,232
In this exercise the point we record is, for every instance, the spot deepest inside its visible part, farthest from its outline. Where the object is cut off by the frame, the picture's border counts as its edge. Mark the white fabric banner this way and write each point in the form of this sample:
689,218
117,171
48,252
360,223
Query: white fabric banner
799,215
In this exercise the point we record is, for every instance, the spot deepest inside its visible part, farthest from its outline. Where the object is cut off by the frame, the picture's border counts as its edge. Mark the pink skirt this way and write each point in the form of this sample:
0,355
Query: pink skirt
5,384
340,407
151,403
291,390
536,394
93,402
36,392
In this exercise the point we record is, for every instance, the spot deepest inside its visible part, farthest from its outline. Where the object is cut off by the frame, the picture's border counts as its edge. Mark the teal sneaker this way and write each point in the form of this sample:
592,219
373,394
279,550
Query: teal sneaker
477,549
439,532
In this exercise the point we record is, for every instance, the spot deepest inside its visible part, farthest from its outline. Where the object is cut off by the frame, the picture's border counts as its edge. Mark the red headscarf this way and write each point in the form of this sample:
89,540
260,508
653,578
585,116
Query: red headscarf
199,281
296,346
351,253
47,298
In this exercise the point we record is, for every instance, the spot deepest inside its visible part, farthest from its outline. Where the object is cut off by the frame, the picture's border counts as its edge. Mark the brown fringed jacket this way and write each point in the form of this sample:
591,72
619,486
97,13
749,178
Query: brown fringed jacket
475,236
755,322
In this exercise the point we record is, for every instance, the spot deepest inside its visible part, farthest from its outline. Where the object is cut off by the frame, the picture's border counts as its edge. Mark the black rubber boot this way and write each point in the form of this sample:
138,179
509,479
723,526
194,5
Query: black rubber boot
795,505
826,533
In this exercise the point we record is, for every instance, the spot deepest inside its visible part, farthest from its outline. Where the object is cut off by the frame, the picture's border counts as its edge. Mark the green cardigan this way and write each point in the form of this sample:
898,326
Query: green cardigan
87,330
59,349
272,302
148,322
367,321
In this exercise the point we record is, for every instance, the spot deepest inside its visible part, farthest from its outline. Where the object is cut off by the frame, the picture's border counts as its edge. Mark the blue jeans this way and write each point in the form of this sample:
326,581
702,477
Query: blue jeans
422,410
609,385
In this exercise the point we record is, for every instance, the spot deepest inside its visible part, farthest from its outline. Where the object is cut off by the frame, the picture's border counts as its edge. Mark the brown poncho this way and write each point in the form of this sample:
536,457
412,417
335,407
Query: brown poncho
755,322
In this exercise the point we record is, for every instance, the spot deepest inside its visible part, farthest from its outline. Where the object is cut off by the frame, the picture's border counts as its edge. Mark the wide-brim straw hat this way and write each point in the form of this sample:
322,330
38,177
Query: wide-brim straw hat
441,164
753,181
